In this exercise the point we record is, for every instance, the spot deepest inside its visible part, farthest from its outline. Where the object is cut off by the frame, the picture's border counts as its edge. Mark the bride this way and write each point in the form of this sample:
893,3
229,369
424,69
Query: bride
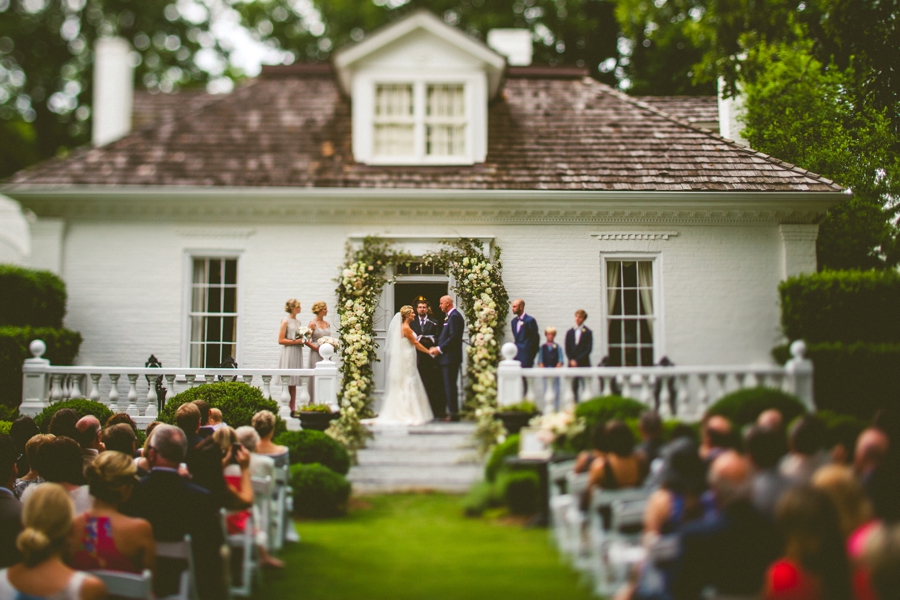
405,400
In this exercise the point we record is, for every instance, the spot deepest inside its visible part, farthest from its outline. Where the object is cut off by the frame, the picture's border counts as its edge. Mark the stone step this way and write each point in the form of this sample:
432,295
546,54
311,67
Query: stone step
440,457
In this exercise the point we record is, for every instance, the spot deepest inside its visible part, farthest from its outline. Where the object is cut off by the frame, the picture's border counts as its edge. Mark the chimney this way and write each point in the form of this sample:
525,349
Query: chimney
731,110
514,44
113,90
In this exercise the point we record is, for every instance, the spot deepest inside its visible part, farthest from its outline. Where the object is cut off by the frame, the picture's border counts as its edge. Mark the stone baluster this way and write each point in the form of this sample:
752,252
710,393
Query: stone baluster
209,378
151,410
509,377
594,386
568,393
285,411
684,404
75,389
114,392
303,396
248,379
95,387
750,381
702,392
65,386
132,397
326,378
646,393
722,381
607,385
266,388
56,392
529,382
190,381
550,385
626,387
170,387
665,398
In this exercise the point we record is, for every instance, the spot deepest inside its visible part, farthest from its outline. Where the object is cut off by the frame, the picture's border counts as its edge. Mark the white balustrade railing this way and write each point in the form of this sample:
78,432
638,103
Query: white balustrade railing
675,391
45,384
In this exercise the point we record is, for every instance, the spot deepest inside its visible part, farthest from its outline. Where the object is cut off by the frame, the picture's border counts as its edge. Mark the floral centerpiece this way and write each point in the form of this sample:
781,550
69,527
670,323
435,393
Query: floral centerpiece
327,339
558,429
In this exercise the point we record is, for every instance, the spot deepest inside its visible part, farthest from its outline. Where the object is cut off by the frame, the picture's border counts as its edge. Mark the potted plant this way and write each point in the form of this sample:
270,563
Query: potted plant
316,416
516,416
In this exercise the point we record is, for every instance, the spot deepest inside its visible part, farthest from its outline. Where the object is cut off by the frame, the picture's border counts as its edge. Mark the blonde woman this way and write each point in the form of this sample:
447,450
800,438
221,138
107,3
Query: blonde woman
320,328
291,348
104,538
405,400
47,518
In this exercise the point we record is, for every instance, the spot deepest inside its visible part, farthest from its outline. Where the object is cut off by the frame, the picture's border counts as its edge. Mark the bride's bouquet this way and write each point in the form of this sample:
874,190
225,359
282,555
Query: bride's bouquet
325,339
303,334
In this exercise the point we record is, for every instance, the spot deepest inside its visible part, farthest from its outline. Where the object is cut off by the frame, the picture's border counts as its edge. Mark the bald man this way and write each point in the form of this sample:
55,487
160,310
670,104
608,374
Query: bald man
730,550
89,438
715,437
449,355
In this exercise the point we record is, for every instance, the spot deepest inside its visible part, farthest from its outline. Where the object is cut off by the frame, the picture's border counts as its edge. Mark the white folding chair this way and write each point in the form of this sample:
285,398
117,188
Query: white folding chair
282,501
127,585
615,550
559,498
249,555
187,583
572,518
262,506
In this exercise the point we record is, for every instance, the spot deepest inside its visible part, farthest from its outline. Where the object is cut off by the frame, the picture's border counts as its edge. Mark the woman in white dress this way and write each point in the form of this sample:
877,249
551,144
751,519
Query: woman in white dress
319,328
291,348
405,400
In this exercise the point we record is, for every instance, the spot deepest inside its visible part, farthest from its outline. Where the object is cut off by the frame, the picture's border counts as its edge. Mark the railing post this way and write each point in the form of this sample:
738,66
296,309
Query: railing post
326,378
34,384
284,410
509,377
800,375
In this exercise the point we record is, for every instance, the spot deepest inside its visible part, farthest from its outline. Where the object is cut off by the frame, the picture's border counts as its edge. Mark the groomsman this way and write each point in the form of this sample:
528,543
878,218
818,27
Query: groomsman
449,354
525,333
427,331
579,344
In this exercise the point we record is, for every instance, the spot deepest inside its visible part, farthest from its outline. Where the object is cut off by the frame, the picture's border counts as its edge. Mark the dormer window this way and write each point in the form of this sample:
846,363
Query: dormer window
419,122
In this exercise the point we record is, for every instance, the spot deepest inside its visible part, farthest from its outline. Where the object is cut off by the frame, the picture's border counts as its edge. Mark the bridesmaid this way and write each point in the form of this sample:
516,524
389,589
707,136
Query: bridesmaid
320,328
291,349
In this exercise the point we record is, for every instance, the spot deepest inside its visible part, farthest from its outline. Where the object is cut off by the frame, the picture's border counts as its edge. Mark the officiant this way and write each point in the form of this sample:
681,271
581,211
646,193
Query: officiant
427,331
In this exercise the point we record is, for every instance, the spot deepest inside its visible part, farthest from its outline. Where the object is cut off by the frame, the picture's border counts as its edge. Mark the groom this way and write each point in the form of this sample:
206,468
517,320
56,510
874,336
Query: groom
449,355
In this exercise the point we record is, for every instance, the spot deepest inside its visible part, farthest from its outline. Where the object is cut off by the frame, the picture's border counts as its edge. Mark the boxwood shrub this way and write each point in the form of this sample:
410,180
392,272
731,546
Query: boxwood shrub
82,407
319,491
744,406
494,464
841,306
29,297
62,348
237,401
520,491
309,446
4,427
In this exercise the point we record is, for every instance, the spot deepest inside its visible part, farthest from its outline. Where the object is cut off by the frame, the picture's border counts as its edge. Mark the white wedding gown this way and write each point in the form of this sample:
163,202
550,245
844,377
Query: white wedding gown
405,400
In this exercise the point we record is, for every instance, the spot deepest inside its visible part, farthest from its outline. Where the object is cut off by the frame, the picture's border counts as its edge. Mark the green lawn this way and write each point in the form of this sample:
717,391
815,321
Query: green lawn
419,546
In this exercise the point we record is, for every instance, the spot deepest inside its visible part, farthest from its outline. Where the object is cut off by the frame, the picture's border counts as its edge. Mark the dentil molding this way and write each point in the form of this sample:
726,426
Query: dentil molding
621,236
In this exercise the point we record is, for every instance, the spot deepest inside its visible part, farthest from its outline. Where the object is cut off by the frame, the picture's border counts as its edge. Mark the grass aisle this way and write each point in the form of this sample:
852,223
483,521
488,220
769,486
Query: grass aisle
419,546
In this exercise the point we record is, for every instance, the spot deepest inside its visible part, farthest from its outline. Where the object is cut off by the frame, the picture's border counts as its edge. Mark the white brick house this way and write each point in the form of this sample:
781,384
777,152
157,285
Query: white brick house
672,238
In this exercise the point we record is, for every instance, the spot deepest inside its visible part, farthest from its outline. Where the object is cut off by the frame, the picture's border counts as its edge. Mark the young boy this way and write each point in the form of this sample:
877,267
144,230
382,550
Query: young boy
551,357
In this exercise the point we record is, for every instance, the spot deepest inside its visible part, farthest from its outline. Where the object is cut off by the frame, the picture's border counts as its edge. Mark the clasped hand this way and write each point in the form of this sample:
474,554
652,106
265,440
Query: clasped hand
434,351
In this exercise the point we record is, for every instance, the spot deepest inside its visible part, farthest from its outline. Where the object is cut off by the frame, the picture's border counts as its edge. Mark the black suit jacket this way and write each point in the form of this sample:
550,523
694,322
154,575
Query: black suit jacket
10,527
527,338
581,352
450,339
429,336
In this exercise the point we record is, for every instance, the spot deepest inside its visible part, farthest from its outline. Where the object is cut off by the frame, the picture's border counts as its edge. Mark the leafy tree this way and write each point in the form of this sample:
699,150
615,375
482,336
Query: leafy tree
572,32
46,63
811,114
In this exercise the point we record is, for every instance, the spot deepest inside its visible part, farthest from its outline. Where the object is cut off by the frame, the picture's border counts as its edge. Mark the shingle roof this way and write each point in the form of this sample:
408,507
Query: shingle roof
693,109
562,131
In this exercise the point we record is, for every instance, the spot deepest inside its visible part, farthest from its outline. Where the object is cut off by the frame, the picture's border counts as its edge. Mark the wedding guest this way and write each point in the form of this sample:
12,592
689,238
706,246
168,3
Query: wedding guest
291,348
63,423
882,563
765,449
187,418
203,406
651,429
60,461
525,333
89,438
22,430
121,417
141,462
871,449
620,466
104,538
814,565
679,500
807,449
715,437
10,507
261,466
598,448
33,476
551,357
215,418
264,424
47,520
579,345
120,438
771,419
319,328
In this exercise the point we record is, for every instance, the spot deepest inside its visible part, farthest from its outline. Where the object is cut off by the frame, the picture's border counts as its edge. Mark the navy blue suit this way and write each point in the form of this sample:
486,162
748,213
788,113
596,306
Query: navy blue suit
450,358
527,339
580,352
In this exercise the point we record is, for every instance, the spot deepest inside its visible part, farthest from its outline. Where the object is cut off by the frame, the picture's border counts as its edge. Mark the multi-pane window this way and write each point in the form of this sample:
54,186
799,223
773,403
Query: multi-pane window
630,320
213,312
394,120
419,121
445,121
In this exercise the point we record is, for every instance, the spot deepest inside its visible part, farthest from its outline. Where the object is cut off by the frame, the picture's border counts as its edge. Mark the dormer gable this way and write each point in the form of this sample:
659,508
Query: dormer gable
419,91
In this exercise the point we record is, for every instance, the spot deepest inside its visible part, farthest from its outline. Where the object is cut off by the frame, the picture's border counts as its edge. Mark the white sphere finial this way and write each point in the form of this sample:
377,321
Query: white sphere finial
509,351
326,351
798,349
37,348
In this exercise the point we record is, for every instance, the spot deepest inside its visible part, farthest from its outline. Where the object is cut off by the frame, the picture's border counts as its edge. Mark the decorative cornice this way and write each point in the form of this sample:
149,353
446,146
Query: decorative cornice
799,233
216,233
620,236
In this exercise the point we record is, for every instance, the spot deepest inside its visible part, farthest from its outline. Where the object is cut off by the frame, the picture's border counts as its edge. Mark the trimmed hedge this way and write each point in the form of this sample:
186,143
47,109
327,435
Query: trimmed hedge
604,408
4,427
62,348
29,297
744,406
520,491
82,407
841,306
237,401
319,491
480,497
308,446
495,464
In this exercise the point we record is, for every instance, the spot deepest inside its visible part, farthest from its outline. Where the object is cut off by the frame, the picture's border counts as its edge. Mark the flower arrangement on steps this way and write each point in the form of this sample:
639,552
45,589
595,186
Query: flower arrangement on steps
478,283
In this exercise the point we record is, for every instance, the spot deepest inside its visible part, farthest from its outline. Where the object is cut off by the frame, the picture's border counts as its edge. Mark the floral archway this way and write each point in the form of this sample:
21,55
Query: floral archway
478,283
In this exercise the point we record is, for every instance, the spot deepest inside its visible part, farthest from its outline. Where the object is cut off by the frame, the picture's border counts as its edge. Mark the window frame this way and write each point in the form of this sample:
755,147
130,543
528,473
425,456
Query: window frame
659,328
187,311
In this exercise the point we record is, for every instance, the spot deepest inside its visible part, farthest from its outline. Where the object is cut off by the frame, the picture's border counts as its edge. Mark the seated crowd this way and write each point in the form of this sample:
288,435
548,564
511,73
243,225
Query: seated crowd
82,497
805,514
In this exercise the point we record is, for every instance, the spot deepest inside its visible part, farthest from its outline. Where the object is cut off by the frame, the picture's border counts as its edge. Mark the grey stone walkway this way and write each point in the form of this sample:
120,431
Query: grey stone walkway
437,456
